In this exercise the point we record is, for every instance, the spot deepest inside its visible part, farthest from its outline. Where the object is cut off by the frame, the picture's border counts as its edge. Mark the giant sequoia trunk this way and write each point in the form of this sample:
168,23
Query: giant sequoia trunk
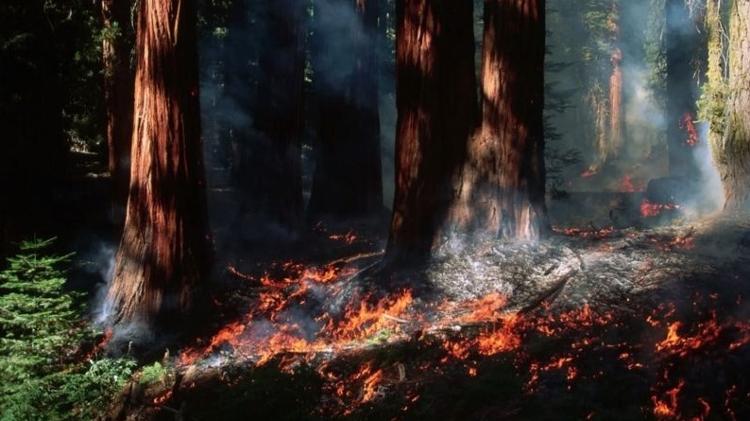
347,180
682,47
118,98
271,166
436,99
734,158
503,186
163,253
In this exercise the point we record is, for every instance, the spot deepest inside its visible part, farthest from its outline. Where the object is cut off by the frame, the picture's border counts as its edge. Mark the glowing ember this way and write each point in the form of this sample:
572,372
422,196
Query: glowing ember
649,209
484,309
629,186
348,238
590,172
667,408
688,126
364,319
586,233
500,340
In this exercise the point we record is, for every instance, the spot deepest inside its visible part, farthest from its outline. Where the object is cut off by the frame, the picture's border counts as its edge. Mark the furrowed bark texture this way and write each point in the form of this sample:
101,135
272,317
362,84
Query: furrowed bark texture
436,100
163,253
272,164
348,179
118,99
682,48
715,72
734,164
503,186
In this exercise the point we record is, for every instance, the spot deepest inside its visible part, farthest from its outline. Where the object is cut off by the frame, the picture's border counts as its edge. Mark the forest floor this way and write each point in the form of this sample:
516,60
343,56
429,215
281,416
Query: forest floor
595,323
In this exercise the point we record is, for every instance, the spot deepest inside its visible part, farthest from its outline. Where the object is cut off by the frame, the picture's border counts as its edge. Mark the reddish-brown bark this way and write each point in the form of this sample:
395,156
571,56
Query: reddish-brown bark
118,98
163,253
615,83
348,179
503,182
436,101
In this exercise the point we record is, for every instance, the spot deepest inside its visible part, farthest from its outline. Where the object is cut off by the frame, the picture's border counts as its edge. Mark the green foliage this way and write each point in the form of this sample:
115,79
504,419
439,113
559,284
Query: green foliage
40,323
154,373
41,332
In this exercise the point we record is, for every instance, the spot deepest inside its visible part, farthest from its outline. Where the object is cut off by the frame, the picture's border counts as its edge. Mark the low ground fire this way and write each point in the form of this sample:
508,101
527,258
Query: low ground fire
597,316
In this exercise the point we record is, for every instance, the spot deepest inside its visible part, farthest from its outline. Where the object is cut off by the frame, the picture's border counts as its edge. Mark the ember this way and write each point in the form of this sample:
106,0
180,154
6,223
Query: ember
649,210
590,172
688,126
629,186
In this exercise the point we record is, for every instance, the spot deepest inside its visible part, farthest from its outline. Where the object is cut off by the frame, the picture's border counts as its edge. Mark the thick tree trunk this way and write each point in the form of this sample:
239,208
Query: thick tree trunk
735,149
271,165
682,47
503,188
714,88
118,99
348,179
163,254
436,101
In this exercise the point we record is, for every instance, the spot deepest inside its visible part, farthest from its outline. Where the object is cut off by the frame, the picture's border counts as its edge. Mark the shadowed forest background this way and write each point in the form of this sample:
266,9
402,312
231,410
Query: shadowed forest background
374,209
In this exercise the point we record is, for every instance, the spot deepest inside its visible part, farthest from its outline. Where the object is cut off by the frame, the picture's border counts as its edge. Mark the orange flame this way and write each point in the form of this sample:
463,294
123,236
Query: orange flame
649,209
688,126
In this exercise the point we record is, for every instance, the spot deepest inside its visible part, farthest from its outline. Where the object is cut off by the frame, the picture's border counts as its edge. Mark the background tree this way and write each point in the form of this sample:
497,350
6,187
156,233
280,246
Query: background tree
436,102
347,179
270,163
683,49
503,187
34,159
163,254
118,97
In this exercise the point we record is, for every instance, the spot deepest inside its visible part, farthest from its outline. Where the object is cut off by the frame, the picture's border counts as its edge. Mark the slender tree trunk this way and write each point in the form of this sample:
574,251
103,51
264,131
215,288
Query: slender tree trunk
503,188
348,179
436,104
682,47
597,98
118,99
163,254
735,149
714,88
272,167
238,90
616,117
